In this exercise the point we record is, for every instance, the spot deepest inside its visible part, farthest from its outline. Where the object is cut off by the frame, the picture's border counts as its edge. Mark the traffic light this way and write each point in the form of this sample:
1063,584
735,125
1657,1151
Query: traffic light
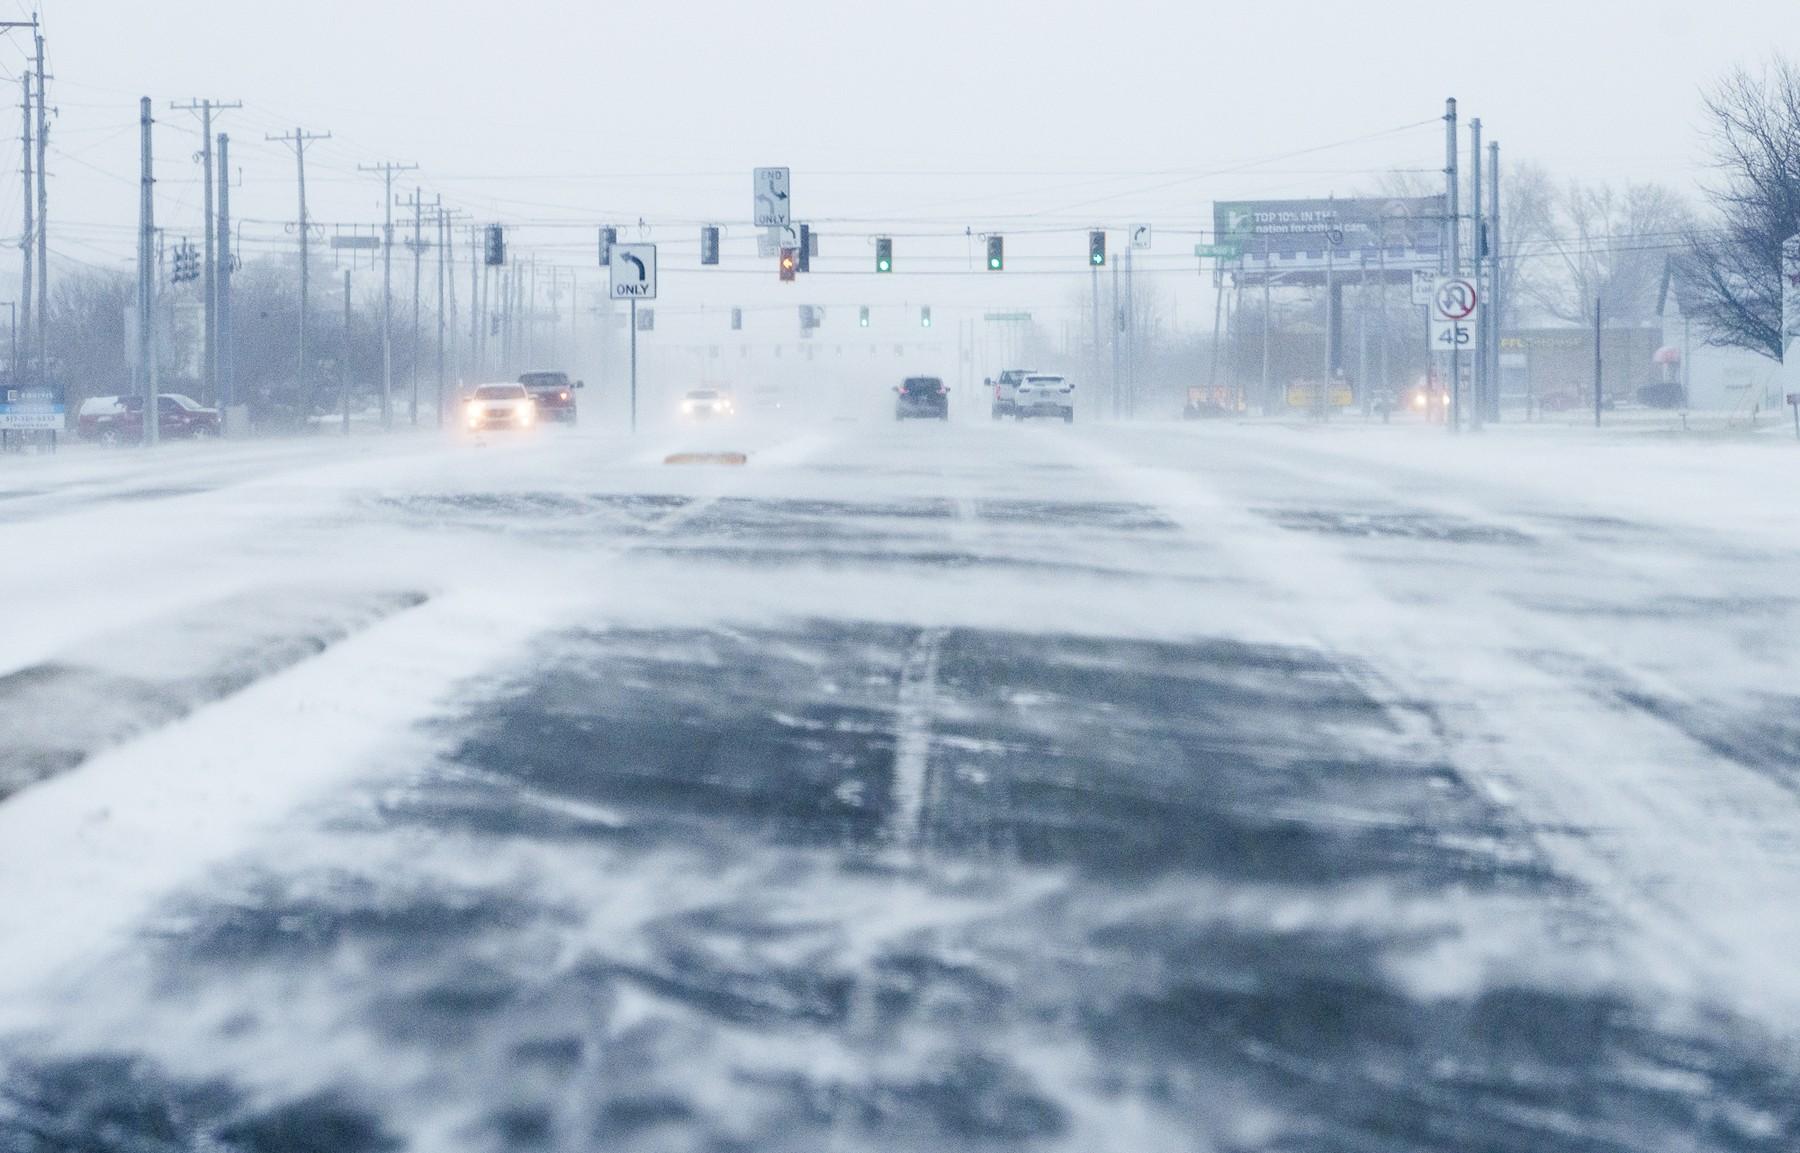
884,254
608,238
737,319
1097,247
996,253
811,316
925,316
790,263
862,316
709,245
494,252
186,264
646,319
806,248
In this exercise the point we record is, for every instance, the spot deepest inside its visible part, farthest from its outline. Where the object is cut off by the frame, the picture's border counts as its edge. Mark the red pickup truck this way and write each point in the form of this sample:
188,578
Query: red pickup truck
554,393
120,419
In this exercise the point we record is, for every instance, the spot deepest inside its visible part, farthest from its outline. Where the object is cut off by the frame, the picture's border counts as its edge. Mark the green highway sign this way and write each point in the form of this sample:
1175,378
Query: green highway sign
1219,251
1014,317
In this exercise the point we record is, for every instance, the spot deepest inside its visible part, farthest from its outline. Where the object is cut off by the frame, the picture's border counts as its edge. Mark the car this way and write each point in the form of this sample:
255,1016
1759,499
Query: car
921,396
507,405
1044,395
554,395
120,419
705,403
1005,387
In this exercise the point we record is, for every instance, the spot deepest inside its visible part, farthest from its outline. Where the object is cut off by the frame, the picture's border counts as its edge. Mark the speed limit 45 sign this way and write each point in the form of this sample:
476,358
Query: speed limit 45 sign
1454,303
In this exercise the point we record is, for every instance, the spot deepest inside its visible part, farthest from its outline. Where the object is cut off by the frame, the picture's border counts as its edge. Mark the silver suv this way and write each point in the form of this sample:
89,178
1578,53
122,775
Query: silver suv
1044,395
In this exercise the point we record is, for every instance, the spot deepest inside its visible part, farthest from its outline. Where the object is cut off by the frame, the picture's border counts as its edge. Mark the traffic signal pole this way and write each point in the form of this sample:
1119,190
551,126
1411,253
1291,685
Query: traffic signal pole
1453,233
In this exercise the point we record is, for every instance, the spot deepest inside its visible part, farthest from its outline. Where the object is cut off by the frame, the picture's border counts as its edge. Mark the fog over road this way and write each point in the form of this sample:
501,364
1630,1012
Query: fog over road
911,787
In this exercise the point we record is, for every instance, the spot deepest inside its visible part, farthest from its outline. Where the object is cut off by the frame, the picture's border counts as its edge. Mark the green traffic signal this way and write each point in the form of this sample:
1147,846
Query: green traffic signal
884,254
862,316
925,317
996,253
1097,247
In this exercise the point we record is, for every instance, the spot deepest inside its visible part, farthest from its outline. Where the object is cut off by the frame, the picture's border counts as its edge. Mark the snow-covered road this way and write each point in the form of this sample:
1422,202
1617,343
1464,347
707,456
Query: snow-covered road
924,787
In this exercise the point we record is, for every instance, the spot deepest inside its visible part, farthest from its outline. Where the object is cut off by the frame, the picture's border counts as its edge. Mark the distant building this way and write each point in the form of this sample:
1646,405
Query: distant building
1718,378
1553,368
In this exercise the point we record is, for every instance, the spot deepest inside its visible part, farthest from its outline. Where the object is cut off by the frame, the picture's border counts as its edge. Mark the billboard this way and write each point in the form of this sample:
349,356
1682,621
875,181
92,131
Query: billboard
1309,235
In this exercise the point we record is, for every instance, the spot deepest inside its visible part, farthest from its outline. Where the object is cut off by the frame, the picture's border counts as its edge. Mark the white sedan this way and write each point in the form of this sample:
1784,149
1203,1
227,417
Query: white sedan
500,406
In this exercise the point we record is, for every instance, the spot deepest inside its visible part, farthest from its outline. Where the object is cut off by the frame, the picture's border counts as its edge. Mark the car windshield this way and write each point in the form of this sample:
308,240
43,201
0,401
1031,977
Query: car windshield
1347,701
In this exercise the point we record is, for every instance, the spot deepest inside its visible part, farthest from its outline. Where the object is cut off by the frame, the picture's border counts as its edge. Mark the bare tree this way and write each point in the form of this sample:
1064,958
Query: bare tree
1607,244
1734,269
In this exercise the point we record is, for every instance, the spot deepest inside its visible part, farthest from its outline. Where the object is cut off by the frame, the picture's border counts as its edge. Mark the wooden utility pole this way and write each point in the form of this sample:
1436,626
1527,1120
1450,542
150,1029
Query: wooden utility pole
298,140
209,363
387,170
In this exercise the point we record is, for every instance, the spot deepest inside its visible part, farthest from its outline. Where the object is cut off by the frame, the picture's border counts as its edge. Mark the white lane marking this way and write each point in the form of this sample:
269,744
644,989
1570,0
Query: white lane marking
912,736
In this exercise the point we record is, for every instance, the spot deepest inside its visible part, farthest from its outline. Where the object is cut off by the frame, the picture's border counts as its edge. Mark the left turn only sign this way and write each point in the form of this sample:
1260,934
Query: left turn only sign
633,269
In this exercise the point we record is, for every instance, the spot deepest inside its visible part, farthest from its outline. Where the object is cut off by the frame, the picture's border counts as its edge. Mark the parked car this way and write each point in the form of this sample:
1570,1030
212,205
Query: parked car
120,419
554,395
500,406
921,396
1005,390
705,403
1042,395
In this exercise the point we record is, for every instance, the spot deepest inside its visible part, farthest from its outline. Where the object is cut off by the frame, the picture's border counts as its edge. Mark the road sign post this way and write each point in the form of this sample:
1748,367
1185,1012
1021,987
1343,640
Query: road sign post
633,273
1454,312
769,197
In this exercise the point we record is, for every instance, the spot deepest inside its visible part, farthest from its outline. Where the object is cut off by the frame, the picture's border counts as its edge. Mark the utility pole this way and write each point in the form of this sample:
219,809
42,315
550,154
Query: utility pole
1478,370
225,363
1597,361
475,266
1268,323
27,254
440,310
387,170
1131,333
456,351
1492,312
1118,318
418,245
346,374
209,364
43,213
146,292
1387,379
1094,294
1453,231
298,142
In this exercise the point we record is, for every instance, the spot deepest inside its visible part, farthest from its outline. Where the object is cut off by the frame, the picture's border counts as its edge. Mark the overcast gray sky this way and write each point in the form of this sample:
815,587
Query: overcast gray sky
914,117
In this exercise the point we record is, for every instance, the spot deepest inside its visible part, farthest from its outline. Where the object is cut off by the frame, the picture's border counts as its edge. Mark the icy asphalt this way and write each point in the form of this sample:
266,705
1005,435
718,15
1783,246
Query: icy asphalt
924,787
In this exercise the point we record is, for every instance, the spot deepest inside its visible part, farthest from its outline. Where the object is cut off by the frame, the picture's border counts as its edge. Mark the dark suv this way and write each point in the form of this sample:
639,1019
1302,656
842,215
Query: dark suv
922,396
120,419
554,393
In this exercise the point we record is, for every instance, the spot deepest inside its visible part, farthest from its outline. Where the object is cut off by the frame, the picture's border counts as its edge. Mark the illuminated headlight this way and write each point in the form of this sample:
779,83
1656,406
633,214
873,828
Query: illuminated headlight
562,396
1419,401
526,414
687,406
